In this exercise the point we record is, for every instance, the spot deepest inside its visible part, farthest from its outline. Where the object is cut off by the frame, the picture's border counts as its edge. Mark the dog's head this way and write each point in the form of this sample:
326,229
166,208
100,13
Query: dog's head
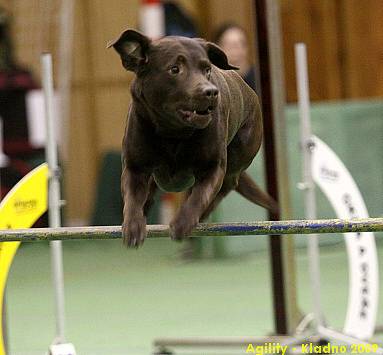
174,76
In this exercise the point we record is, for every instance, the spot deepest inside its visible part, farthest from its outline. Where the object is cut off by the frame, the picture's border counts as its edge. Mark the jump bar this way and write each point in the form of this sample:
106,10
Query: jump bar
202,230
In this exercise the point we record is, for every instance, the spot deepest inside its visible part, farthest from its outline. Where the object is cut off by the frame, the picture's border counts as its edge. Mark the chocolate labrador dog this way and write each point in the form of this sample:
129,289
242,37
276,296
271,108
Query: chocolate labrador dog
193,125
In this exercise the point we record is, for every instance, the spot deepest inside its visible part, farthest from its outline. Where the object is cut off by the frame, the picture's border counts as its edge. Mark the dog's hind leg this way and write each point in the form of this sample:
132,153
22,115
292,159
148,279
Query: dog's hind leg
228,185
213,205
251,191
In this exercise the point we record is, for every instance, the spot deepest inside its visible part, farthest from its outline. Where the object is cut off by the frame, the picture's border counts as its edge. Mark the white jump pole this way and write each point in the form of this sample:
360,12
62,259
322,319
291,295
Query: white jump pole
54,204
307,179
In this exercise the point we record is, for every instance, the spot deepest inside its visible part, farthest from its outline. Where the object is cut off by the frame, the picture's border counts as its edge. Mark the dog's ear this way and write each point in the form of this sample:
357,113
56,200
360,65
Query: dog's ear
132,46
216,55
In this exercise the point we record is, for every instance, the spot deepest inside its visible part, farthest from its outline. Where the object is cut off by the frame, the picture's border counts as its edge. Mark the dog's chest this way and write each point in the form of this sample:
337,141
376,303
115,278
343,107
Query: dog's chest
173,182
174,172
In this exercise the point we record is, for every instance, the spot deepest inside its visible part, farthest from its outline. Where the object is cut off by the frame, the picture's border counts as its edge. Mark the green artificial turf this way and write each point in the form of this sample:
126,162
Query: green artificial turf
118,301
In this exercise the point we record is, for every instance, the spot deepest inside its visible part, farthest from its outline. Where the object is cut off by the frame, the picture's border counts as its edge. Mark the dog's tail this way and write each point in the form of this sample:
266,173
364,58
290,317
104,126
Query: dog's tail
250,190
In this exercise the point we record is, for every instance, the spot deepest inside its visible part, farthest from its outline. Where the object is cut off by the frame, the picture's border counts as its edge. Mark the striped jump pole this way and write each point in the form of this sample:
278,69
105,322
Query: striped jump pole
202,230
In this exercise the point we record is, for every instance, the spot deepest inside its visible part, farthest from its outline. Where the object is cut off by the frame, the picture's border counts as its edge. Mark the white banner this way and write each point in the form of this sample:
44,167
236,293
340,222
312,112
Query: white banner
333,178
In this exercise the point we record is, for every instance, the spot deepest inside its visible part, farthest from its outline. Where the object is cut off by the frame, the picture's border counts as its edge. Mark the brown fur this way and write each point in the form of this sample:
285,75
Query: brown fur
194,125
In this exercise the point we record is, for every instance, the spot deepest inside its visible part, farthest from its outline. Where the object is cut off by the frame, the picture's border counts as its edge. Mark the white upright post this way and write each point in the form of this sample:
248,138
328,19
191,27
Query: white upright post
308,183
54,204
64,71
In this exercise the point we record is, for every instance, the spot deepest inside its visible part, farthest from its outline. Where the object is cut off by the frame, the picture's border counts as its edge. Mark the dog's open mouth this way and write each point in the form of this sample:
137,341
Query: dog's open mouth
189,114
196,118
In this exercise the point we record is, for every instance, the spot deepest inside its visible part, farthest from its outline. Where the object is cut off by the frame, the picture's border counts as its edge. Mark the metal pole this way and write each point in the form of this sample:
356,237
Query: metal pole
268,112
216,230
65,71
229,341
308,183
269,44
54,202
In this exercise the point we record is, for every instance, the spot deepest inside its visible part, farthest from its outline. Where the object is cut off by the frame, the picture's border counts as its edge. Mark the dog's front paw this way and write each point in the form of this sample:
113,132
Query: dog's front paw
181,229
134,232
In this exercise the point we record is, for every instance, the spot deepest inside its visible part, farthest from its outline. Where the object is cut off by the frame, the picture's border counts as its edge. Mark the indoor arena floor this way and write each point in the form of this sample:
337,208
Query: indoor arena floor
118,301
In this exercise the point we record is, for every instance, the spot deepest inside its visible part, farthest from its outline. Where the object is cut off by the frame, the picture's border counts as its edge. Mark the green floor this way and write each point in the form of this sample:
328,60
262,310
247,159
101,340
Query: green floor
118,301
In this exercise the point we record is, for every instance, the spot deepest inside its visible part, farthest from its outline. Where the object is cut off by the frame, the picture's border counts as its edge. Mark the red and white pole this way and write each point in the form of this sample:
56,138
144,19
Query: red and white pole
152,18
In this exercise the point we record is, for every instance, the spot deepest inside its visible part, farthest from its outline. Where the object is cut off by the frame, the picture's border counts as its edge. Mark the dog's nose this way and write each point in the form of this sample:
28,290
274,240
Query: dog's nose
210,92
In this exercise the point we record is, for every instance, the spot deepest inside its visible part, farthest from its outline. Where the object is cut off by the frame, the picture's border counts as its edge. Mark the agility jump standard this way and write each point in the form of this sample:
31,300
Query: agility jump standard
202,230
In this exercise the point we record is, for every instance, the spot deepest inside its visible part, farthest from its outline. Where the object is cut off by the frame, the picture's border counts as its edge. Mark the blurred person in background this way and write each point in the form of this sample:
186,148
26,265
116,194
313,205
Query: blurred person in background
233,40
15,82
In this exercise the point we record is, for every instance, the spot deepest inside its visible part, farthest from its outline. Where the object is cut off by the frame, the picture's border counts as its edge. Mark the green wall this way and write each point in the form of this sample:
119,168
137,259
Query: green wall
354,130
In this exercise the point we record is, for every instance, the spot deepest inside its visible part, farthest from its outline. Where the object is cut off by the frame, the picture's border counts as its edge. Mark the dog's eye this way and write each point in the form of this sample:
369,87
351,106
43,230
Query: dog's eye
175,69
208,71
